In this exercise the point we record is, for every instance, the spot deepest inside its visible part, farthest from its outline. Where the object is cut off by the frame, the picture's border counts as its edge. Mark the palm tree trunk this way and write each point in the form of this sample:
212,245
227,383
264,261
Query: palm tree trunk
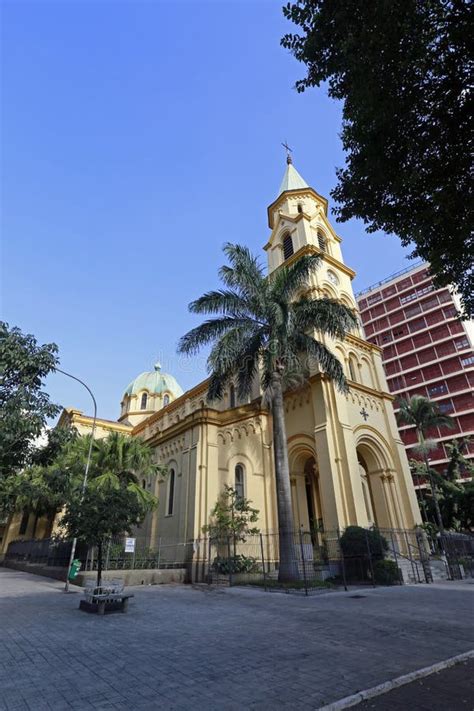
99,564
288,569
439,518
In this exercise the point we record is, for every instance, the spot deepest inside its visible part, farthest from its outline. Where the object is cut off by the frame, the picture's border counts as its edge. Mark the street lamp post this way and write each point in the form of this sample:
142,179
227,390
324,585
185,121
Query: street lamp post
86,470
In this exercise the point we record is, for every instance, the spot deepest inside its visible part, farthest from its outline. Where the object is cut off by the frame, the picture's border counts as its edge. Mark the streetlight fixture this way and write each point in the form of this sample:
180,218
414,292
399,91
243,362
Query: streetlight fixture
86,470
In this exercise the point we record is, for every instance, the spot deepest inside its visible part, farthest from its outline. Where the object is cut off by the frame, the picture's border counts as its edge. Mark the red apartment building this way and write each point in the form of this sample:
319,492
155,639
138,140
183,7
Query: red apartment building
427,350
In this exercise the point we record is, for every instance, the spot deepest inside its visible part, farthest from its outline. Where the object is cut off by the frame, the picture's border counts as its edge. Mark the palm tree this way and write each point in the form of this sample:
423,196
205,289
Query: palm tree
263,326
424,414
114,501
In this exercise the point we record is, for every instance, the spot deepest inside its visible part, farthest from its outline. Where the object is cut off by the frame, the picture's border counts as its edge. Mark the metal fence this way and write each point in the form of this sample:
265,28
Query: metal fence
459,551
311,560
315,560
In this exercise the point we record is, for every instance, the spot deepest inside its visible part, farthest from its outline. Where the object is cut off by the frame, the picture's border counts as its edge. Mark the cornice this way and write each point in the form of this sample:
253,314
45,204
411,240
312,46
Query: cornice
363,343
196,390
79,418
299,191
312,249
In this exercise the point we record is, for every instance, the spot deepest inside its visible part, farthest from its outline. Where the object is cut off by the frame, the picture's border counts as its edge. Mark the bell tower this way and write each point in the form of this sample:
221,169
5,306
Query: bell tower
299,224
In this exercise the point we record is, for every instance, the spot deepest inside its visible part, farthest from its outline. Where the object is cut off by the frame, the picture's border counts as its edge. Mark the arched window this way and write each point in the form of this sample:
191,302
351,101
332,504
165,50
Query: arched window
239,481
287,246
300,208
143,401
352,368
166,400
321,241
232,396
170,506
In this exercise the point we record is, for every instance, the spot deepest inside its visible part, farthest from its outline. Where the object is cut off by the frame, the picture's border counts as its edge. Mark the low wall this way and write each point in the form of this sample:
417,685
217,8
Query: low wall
154,576
129,577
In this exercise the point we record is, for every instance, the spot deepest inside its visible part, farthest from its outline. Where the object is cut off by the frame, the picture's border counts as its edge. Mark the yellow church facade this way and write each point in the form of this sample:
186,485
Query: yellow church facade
347,462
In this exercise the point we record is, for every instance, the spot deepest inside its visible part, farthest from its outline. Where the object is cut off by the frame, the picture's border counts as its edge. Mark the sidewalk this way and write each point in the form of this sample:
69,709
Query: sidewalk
449,690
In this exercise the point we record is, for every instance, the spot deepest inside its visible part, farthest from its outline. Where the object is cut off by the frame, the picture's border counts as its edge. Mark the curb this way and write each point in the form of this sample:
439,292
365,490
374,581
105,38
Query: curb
380,689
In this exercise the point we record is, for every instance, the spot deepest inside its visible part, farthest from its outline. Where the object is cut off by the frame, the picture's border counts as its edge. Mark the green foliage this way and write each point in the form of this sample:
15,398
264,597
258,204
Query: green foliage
357,541
24,406
455,496
423,413
113,502
386,572
402,71
232,517
235,564
264,327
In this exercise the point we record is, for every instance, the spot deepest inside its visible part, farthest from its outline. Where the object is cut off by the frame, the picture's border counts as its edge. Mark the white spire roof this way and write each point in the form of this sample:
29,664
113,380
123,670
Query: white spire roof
292,180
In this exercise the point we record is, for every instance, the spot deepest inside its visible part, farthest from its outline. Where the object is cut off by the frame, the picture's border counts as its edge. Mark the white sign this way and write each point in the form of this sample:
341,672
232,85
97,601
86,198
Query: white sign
130,545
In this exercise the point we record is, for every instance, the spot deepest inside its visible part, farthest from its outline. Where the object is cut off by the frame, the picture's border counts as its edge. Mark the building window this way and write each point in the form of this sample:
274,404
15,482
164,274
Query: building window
170,507
239,482
143,401
143,484
300,208
437,390
321,241
232,396
352,369
468,361
24,522
166,400
287,246
462,343
333,278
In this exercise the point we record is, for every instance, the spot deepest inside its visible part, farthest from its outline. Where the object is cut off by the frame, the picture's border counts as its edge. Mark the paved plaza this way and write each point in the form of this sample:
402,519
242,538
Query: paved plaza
181,647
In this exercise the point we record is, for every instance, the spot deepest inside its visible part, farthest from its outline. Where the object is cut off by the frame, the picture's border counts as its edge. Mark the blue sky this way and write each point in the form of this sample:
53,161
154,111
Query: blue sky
137,138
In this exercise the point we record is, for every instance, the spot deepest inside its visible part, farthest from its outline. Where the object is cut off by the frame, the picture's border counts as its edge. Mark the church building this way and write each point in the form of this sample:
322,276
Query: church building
348,464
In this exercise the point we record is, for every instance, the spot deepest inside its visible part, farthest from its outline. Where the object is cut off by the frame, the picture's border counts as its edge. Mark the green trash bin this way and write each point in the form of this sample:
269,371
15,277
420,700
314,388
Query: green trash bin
75,568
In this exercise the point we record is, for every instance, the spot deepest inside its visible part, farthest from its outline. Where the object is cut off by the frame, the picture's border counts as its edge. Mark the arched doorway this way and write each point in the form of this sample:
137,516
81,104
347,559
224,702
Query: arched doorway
366,490
306,497
378,485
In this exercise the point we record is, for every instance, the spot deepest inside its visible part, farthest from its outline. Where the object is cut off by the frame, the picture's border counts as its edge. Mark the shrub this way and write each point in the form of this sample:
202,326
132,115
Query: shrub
355,538
386,572
235,564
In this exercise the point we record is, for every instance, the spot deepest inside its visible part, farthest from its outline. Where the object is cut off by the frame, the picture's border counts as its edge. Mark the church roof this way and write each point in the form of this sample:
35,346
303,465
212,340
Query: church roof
155,382
292,180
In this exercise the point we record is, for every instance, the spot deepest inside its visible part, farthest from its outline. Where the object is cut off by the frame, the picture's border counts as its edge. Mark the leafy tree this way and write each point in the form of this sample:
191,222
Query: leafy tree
264,327
113,502
232,517
456,497
402,69
24,406
424,414
44,487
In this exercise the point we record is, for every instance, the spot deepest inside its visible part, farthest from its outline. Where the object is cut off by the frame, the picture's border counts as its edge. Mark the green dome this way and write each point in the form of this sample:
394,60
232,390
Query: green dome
155,382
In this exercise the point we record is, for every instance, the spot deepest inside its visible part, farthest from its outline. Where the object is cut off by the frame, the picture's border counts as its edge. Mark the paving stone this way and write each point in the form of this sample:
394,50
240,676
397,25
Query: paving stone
182,648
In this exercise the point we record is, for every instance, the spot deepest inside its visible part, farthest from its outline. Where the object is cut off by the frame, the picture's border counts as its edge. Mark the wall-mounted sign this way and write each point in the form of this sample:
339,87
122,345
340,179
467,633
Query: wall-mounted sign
130,545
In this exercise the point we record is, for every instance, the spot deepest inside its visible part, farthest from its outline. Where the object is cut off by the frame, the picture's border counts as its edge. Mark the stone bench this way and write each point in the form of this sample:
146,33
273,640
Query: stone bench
106,598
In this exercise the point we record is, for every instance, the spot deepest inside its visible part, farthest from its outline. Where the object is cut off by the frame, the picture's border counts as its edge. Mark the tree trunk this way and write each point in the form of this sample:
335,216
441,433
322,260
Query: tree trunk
99,564
288,569
439,518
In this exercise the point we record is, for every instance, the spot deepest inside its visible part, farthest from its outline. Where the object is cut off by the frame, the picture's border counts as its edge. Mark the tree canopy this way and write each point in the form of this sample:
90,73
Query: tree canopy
25,407
402,69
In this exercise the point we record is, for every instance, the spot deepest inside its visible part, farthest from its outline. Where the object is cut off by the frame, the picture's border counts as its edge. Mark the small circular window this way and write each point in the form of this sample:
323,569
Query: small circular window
333,278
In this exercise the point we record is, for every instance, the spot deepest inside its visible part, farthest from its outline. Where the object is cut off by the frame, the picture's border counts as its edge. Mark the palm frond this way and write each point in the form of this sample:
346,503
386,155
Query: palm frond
325,315
219,301
207,332
288,280
318,354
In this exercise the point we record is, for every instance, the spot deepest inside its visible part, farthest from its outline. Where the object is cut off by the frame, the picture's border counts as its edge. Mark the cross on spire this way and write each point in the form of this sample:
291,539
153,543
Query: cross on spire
288,152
